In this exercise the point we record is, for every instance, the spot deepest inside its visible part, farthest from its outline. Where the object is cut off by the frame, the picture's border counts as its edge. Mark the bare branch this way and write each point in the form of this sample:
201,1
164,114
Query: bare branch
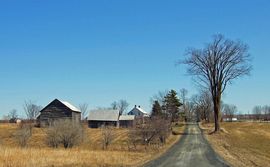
217,65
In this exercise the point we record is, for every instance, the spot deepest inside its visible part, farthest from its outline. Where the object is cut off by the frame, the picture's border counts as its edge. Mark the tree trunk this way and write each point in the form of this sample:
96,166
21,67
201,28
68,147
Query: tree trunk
216,113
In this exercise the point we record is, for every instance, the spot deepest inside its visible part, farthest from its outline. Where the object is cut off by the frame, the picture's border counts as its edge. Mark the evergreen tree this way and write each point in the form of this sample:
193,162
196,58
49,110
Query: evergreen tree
172,105
156,109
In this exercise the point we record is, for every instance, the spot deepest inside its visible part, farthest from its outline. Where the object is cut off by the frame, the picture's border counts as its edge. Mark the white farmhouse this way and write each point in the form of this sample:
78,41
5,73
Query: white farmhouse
138,111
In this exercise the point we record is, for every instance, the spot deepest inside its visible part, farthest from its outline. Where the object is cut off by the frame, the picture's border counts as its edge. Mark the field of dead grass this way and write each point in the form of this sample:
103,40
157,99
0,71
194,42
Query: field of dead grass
89,153
241,143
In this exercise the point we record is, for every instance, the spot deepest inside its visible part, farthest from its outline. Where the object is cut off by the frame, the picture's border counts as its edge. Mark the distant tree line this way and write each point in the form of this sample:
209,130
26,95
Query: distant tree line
261,112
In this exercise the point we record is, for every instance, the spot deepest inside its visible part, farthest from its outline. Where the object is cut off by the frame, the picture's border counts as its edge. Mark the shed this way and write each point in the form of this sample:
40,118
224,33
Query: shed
106,117
127,121
57,110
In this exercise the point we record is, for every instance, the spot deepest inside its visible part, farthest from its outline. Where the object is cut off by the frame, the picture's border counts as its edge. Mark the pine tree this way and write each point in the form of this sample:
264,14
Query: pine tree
156,109
172,105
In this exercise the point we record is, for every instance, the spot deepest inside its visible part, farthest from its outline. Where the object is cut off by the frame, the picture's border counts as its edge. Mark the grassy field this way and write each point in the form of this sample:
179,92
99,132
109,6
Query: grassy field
241,143
89,153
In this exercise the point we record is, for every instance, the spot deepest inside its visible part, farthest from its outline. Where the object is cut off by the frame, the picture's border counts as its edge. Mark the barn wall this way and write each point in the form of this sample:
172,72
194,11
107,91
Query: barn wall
55,111
127,123
76,116
98,124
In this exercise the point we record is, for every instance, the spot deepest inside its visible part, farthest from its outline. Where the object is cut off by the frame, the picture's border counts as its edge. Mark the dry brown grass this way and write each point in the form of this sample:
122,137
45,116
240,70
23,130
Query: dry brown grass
242,143
89,153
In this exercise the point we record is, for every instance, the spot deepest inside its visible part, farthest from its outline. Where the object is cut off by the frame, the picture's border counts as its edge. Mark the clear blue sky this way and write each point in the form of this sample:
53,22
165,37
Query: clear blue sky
101,51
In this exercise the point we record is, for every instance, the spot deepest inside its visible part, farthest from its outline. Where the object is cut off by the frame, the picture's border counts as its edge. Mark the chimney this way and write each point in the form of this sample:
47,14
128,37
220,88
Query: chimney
135,106
139,106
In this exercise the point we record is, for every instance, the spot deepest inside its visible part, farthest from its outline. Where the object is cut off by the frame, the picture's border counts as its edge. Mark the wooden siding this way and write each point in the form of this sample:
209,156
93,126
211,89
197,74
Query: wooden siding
55,111
127,123
98,124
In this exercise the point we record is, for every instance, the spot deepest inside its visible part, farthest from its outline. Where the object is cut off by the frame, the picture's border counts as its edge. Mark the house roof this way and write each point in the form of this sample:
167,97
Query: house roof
139,109
103,115
126,117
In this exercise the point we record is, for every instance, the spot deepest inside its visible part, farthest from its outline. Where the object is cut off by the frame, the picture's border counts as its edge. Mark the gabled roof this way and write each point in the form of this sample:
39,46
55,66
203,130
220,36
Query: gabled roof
138,108
67,104
103,115
70,106
141,110
126,117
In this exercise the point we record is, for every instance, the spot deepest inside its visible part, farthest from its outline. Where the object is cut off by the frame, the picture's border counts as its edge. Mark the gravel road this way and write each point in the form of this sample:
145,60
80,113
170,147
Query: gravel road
192,150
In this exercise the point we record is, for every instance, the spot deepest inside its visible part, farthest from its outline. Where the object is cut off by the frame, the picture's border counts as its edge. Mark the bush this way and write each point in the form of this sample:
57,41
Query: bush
155,130
65,132
133,138
23,134
107,136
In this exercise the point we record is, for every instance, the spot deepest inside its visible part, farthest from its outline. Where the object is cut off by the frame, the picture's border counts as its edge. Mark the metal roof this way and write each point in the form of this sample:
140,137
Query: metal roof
103,115
127,117
141,110
70,106
138,109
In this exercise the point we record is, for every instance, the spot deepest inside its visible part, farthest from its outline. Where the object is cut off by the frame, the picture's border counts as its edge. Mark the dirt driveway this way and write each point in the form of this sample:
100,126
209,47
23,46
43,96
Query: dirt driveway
192,150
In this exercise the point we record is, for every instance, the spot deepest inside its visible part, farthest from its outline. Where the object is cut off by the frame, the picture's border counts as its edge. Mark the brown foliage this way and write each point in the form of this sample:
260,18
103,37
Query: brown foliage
23,134
107,136
65,132
155,130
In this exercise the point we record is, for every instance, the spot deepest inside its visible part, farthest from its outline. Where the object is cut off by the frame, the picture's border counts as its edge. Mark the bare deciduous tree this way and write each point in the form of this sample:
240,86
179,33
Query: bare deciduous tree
183,98
107,136
157,129
229,111
121,105
31,110
114,105
83,108
160,97
13,115
257,111
183,95
133,138
266,112
66,132
204,105
216,66
162,128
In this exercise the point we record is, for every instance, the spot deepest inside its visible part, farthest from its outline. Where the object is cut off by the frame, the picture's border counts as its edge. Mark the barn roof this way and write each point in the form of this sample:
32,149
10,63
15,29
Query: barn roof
67,104
70,106
127,117
103,115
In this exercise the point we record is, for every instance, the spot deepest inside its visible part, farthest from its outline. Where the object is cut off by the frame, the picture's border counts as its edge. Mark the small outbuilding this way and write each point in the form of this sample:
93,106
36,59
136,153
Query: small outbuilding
57,110
107,117
127,121
98,118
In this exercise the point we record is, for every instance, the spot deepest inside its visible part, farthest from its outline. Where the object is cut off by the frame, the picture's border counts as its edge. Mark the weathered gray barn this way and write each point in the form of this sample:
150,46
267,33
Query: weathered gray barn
127,121
98,118
57,110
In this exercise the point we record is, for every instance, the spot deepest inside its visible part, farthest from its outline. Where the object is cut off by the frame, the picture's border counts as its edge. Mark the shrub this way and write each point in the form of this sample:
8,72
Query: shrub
23,134
157,129
65,132
107,136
